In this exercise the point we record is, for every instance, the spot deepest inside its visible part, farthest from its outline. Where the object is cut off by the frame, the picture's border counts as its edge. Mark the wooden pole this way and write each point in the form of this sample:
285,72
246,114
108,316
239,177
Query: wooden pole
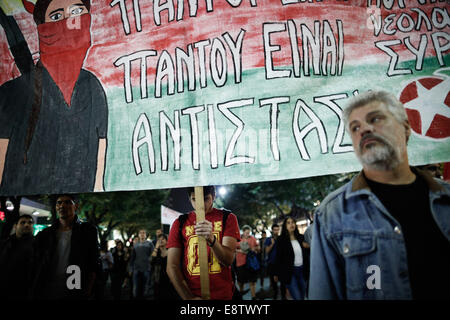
202,246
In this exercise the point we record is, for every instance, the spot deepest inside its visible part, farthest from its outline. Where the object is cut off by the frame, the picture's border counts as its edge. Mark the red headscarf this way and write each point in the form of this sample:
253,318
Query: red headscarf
63,46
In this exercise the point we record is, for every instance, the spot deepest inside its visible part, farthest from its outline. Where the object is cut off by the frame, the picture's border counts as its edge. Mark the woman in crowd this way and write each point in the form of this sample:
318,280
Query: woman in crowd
119,270
290,258
163,289
107,263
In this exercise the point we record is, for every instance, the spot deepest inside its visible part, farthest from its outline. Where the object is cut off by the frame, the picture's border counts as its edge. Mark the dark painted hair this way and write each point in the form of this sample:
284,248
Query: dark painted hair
41,7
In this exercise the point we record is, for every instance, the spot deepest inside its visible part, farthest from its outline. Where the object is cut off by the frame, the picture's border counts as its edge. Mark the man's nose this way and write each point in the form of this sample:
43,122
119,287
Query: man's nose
365,128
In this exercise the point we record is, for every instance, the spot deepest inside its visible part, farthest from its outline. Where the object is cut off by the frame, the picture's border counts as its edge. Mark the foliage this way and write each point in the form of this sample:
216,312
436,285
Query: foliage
125,211
262,204
256,204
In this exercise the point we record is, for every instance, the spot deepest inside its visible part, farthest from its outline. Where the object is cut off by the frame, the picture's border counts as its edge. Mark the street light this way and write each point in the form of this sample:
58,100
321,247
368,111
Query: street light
222,191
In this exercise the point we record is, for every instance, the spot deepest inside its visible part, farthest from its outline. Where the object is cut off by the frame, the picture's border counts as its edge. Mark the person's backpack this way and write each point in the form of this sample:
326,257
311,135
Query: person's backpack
252,262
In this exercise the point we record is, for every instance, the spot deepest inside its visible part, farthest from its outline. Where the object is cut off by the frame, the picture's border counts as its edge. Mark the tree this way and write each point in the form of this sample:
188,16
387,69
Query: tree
127,211
264,203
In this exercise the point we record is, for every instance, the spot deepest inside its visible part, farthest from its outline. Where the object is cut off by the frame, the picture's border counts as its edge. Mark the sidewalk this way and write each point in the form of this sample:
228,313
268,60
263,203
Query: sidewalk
263,294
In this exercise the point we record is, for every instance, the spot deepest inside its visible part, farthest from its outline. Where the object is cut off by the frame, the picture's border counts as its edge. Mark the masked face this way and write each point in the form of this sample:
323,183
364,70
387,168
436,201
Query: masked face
64,39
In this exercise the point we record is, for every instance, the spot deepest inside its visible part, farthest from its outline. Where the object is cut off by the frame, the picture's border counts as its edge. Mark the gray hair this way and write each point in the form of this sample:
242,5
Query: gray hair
392,103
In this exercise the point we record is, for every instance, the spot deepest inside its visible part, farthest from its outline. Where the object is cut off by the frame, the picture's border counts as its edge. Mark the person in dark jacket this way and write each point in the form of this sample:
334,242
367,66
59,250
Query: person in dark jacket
16,261
68,255
291,257
119,270
163,287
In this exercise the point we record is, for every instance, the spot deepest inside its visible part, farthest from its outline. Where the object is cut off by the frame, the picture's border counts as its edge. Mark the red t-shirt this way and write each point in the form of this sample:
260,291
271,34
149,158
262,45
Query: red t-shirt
220,281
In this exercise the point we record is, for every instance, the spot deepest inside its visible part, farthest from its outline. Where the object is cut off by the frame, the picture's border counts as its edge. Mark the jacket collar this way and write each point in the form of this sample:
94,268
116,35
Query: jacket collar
360,182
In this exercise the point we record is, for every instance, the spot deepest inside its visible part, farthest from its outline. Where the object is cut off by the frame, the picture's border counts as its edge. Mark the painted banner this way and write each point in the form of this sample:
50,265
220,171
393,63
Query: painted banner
138,94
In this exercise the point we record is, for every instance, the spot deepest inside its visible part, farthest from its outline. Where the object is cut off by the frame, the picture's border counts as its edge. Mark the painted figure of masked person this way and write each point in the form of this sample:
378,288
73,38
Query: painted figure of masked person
53,118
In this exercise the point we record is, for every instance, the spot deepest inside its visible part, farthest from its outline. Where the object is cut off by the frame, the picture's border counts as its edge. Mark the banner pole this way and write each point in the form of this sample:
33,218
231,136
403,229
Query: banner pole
202,246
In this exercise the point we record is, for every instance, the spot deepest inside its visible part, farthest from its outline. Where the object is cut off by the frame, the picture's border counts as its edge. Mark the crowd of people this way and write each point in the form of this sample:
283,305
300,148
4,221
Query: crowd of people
39,267
362,242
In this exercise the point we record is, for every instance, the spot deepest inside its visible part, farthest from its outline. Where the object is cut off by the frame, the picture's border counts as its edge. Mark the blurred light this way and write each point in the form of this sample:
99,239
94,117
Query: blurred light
35,213
222,191
9,205
2,216
38,228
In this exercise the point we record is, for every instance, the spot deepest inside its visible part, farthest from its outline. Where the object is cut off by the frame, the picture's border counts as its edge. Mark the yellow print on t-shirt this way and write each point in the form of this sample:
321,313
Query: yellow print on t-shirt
189,231
193,265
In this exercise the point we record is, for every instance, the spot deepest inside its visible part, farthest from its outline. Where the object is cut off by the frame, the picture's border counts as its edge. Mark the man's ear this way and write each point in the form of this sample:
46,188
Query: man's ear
407,130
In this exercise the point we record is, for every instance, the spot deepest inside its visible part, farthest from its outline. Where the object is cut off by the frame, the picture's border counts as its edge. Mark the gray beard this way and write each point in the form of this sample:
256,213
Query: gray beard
381,157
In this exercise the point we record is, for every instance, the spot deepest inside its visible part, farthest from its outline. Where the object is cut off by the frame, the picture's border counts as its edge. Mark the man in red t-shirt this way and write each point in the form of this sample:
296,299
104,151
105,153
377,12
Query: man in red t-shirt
221,250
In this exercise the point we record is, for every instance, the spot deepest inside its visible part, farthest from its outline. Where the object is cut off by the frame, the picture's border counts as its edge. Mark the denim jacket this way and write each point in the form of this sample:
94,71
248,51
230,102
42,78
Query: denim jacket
353,232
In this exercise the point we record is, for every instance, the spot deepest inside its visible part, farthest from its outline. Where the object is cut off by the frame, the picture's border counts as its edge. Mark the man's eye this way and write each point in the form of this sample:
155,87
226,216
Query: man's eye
354,128
376,119
56,16
76,11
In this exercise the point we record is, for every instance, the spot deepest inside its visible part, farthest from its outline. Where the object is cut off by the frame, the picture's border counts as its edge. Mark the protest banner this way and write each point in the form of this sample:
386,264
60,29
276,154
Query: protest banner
161,94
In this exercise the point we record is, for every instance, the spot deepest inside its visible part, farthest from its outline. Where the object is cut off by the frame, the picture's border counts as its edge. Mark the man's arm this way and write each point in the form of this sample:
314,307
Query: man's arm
3,148
269,247
17,43
225,251
307,237
100,165
176,276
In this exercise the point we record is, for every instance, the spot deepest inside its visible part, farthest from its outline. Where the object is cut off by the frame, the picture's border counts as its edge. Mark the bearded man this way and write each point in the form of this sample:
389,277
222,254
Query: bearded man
385,234
53,118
